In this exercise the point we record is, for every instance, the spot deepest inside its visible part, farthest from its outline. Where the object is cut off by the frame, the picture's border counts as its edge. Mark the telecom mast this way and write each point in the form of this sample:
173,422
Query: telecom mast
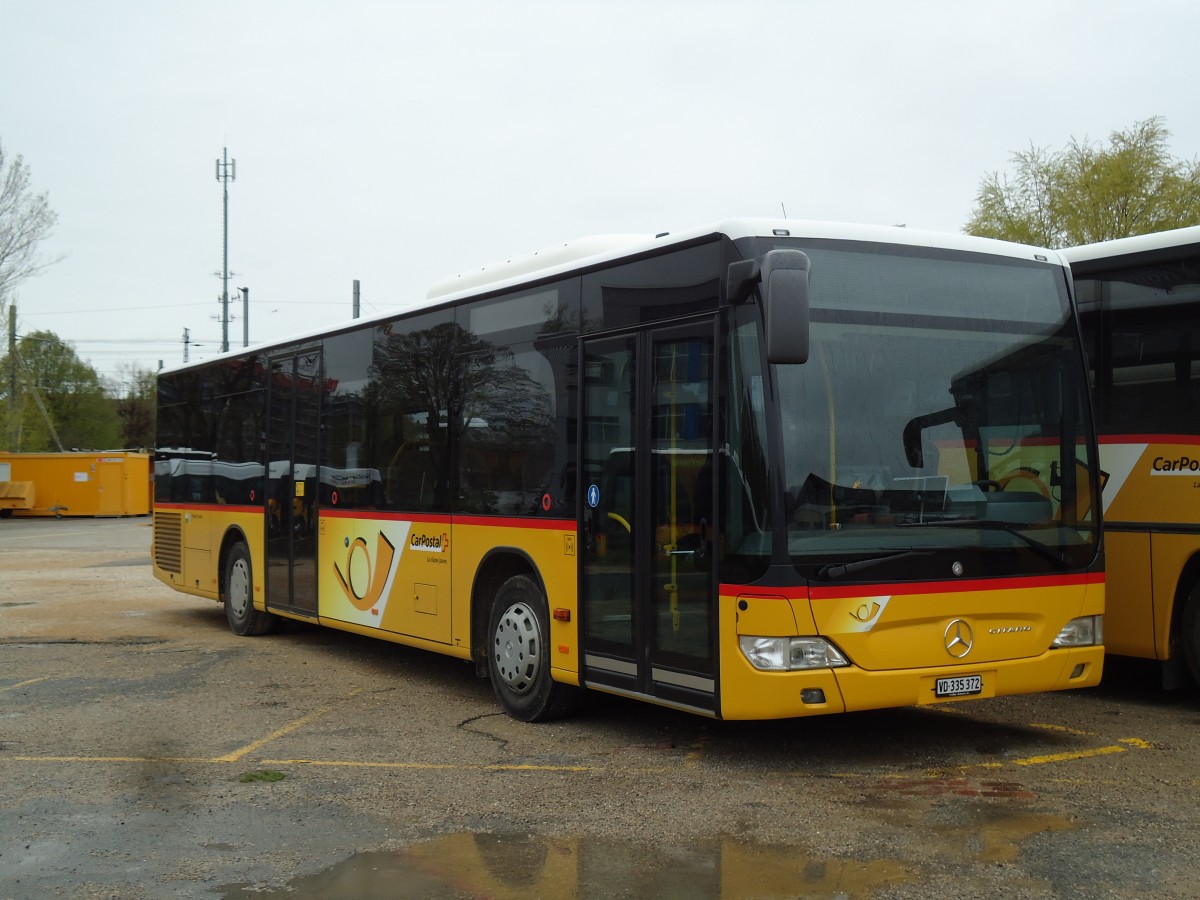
226,172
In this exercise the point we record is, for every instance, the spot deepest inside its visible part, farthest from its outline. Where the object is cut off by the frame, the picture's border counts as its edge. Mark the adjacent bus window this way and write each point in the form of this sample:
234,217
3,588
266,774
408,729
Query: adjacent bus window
1144,337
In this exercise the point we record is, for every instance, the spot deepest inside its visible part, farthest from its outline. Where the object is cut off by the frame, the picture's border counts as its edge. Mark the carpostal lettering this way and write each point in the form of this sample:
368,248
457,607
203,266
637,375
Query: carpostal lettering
430,543
1183,465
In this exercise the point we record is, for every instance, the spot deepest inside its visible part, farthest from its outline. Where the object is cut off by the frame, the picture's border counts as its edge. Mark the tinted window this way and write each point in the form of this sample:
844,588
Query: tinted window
210,429
517,450
240,411
1142,331
679,283
350,476
414,400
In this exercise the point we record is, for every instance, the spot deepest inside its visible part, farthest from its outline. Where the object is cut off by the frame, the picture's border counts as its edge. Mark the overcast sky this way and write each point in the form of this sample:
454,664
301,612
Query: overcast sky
398,143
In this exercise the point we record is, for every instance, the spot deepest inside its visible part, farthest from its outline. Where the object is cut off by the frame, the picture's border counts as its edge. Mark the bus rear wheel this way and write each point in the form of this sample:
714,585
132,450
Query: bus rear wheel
519,654
243,618
1190,633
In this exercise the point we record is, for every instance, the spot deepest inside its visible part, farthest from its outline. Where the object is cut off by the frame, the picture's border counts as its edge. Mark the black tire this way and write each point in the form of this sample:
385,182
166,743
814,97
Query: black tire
243,618
519,654
1189,633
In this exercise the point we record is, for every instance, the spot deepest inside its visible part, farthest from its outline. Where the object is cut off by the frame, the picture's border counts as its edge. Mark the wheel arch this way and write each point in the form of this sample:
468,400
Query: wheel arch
496,567
1189,578
1175,673
233,535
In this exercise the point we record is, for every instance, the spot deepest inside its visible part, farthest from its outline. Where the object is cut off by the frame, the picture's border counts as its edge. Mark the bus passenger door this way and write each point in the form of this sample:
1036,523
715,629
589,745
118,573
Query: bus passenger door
647,512
293,420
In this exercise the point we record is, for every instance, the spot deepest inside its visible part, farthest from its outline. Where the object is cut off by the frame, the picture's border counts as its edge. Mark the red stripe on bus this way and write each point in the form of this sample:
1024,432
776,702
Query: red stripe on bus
956,587
1149,439
795,592
385,514
442,519
781,593
210,507
504,522
389,515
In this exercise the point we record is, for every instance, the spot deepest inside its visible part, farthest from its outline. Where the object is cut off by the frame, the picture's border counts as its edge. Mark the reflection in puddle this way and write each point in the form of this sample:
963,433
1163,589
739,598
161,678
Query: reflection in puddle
516,867
508,867
1000,841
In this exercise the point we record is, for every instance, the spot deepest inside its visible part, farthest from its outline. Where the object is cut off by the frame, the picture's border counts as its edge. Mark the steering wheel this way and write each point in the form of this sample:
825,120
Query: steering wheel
1024,474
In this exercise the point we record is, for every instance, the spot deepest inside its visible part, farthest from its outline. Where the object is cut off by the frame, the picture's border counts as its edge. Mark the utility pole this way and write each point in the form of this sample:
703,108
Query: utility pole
226,172
13,418
245,316
356,298
186,341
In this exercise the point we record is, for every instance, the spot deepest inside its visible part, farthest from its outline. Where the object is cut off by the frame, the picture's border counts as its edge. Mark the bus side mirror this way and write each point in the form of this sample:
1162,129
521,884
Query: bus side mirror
783,276
785,299
912,444
915,428
743,277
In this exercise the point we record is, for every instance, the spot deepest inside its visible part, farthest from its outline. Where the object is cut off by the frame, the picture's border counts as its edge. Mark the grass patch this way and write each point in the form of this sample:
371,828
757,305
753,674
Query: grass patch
265,775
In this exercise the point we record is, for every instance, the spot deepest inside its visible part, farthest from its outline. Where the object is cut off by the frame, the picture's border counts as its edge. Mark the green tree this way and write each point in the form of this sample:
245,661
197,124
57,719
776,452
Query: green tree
58,394
1088,192
136,394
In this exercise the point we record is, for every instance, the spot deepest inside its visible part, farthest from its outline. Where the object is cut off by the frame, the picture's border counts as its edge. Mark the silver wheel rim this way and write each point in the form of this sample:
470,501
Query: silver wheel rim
517,648
239,588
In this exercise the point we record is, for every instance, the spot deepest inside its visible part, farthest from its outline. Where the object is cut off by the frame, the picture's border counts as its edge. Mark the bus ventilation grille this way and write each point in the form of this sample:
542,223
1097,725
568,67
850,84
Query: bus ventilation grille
168,541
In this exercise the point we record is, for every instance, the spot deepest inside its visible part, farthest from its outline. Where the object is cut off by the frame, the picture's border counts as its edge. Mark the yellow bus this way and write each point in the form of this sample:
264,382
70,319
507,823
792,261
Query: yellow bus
1139,302
761,469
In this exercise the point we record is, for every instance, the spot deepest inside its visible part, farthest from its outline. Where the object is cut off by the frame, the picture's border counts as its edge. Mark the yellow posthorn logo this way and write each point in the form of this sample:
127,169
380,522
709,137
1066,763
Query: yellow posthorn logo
365,596
866,612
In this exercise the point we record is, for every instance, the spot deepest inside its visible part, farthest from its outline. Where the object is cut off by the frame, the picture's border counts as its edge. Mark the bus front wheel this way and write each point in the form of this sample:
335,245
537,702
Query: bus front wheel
519,654
243,618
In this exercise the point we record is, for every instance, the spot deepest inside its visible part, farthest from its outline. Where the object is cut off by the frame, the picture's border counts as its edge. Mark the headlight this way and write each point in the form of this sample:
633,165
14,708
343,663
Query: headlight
789,654
1087,631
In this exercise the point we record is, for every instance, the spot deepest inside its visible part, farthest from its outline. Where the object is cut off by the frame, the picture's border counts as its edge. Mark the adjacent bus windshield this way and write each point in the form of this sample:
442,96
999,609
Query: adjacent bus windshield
1139,300
761,470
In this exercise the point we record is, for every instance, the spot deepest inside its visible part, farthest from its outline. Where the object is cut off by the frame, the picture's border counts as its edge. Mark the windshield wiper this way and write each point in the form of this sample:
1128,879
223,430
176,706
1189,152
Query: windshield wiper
837,570
1013,528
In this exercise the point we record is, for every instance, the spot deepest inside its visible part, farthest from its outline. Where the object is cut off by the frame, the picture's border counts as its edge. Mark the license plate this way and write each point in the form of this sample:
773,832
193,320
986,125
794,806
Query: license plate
960,686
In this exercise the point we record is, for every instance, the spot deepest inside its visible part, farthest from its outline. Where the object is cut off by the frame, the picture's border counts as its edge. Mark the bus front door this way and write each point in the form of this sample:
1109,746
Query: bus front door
647,513
293,419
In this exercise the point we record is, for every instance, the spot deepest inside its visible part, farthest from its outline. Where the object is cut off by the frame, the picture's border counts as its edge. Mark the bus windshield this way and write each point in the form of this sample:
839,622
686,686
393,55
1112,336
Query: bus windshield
942,412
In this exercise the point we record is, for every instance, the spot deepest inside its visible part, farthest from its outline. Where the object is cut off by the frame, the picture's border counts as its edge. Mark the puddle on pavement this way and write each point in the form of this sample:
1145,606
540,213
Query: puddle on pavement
999,839
509,866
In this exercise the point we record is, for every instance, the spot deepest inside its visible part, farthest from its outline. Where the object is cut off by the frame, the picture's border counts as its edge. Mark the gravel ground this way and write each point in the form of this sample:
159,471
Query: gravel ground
147,752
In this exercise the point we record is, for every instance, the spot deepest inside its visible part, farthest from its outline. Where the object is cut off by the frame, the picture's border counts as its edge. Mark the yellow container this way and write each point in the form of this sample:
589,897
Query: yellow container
116,483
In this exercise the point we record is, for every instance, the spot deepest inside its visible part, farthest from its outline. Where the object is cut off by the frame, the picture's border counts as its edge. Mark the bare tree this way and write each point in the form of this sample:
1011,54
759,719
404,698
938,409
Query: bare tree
25,221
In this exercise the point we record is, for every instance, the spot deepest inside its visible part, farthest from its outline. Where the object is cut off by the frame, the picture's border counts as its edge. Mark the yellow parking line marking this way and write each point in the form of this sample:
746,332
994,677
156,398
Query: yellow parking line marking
112,759
1069,756
19,684
1137,742
692,758
1065,757
1062,728
455,767
196,760
278,733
